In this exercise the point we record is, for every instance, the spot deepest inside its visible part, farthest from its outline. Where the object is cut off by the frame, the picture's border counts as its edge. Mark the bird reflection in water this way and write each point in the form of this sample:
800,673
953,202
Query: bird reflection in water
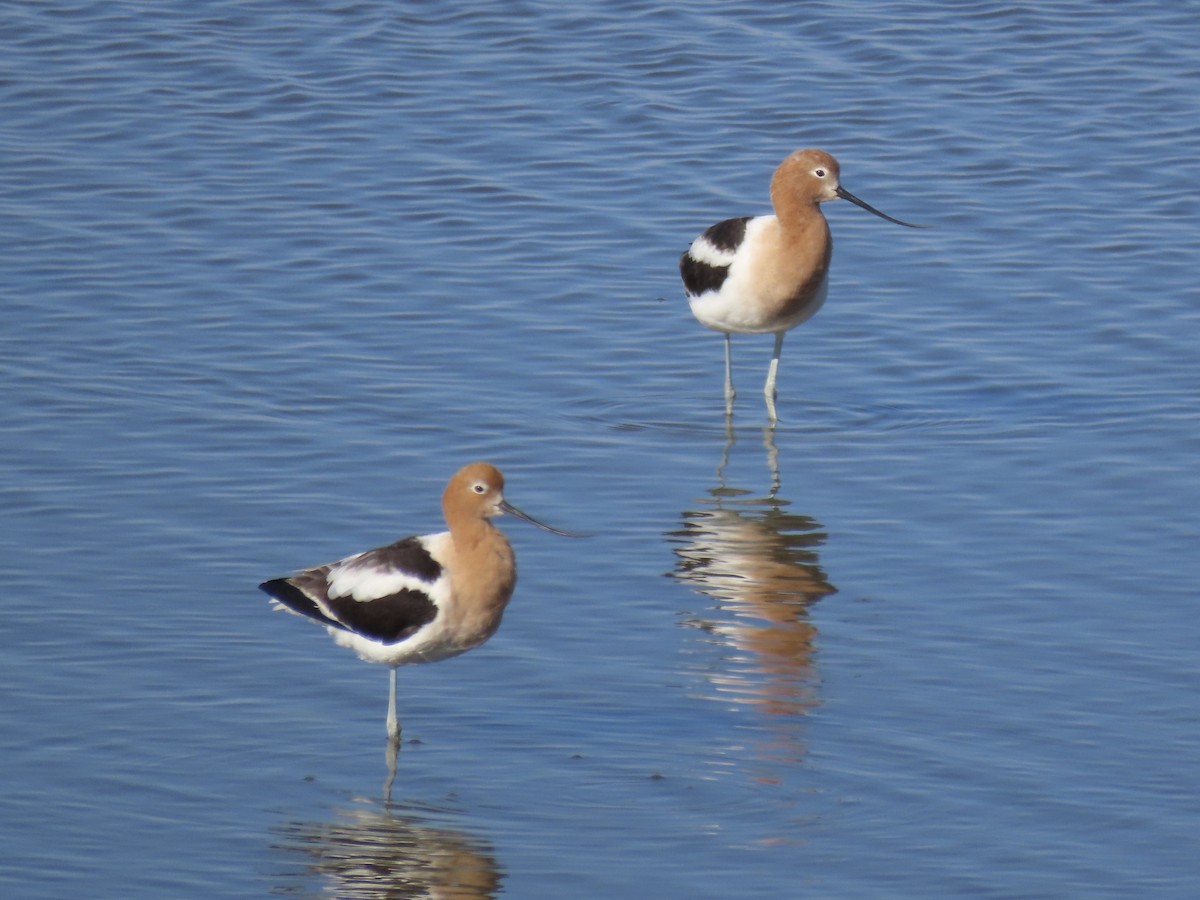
758,562
372,852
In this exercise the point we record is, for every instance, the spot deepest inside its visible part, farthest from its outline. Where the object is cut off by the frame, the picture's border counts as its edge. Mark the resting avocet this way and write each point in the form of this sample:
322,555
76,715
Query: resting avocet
423,598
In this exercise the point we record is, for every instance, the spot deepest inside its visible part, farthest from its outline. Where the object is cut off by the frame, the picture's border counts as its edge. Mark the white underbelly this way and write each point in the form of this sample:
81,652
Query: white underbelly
739,309
427,645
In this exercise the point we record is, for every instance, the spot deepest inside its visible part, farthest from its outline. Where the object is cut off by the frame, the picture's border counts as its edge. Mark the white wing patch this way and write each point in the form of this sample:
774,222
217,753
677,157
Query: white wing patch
364,579
708,253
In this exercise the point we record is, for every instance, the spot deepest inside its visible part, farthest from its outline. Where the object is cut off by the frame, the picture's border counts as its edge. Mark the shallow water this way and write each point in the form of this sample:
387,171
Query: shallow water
272,271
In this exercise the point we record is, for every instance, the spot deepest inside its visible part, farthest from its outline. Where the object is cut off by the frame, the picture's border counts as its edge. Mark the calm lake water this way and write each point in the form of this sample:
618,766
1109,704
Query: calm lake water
271,271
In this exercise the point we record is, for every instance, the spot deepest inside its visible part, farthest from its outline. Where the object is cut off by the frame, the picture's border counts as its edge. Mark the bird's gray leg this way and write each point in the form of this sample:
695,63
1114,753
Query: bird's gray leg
729,392
393,724
769,388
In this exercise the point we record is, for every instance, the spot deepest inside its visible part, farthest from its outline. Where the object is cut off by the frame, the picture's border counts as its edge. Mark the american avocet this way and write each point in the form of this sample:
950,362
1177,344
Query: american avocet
420,599
767,274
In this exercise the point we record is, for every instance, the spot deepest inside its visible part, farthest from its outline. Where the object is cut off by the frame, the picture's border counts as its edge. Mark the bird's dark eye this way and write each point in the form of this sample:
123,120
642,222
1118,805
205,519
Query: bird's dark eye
479,488
820,173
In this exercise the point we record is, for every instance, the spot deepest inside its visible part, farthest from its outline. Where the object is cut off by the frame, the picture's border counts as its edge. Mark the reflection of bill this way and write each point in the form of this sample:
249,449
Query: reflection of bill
370,852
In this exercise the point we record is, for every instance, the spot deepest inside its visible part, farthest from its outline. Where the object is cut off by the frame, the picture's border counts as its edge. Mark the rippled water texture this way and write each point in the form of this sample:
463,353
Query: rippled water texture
270,272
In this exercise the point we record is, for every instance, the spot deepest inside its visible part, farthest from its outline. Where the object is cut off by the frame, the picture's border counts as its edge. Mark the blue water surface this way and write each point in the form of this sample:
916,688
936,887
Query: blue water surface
271,271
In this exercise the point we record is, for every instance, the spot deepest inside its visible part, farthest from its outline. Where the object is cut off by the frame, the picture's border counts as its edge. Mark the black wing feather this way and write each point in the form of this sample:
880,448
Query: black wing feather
728,234
295,599
407,555
389,619
699,277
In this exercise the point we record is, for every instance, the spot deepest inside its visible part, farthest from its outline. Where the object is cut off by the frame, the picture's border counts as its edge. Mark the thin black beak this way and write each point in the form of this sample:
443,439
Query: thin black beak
846,195
512,510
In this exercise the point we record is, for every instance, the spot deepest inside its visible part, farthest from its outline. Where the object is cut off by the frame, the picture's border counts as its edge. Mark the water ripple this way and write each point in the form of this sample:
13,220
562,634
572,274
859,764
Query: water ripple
268,270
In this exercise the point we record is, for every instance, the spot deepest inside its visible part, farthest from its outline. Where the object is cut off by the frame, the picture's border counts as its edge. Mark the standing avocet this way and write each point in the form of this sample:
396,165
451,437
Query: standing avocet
767,274
423,598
